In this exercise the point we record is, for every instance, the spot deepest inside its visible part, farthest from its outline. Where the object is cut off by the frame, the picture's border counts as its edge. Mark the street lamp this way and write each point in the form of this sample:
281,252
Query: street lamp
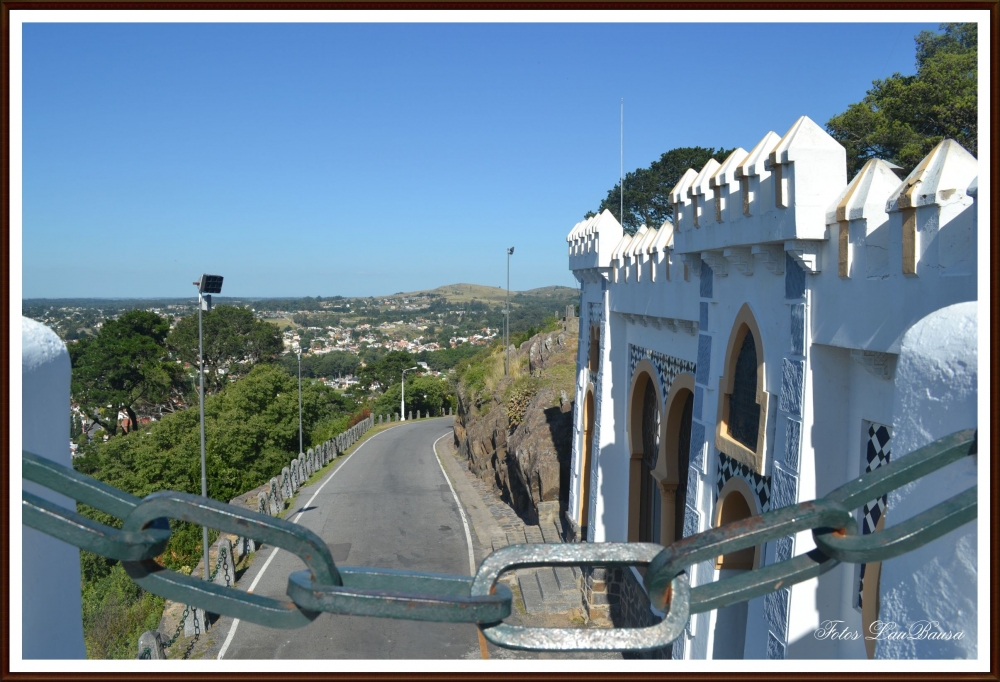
300,398
208,285
506,334
402,395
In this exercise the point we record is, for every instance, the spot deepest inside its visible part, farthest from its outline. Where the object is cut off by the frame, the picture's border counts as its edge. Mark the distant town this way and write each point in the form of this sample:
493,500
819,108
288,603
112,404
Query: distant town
335,335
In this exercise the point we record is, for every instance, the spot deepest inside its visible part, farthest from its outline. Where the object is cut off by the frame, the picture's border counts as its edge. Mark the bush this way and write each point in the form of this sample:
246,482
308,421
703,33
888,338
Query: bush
115,612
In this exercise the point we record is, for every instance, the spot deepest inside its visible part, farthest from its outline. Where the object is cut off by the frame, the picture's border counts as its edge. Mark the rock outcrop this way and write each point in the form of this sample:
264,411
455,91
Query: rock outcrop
518,436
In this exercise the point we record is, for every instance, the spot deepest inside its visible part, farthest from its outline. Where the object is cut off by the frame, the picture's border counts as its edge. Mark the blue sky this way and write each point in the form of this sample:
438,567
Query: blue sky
366,159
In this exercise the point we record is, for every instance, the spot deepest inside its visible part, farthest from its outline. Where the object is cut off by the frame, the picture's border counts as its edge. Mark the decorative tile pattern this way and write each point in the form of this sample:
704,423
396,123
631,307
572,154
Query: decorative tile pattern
704,359
775,648
696,456
783,548
798,329
703,316
706,281
692,521
792,372
795,278
667,366
793,444
761,485
699,400
776,612
784,488
876,452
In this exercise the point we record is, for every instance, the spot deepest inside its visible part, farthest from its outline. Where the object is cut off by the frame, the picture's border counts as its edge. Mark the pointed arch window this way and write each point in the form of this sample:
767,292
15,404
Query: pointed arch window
740,429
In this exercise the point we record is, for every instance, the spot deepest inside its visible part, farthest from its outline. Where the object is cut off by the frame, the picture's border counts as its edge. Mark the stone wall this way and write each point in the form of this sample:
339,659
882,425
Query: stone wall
527,465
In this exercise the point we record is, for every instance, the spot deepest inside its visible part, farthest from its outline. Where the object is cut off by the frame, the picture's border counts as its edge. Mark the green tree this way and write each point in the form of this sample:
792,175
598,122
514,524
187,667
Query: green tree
423,393
902,118
234,341
647,190
122,368
386,371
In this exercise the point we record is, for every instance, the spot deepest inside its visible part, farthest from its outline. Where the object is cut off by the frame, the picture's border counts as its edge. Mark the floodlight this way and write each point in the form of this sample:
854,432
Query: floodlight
510,251
210,284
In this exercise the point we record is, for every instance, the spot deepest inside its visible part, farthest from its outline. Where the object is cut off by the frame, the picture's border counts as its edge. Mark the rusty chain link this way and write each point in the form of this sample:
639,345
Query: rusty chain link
387,593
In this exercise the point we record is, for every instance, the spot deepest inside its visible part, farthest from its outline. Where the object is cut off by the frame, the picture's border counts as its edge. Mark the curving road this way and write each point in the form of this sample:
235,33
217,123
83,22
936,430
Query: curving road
389,505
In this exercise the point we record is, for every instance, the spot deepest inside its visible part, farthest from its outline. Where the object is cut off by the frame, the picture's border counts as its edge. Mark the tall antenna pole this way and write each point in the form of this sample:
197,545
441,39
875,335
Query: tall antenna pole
621,165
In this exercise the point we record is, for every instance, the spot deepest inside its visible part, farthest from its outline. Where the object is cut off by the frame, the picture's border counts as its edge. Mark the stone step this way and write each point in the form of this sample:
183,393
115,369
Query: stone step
499,541
515,537
567,579
531,593
551,533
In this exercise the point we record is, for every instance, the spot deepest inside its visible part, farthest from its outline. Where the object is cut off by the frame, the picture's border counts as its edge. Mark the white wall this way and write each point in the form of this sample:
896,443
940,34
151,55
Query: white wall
936,394
51,617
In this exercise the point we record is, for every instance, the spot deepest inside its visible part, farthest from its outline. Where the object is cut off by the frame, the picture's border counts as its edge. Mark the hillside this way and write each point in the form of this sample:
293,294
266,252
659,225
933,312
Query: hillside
463,293
515,431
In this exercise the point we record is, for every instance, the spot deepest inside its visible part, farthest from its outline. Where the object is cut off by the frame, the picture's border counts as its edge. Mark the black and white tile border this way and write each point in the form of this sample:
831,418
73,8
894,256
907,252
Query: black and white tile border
667,366
761,485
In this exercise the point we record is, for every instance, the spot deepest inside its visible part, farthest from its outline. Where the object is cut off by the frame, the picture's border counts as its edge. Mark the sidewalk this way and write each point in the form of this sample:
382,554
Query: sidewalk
543,597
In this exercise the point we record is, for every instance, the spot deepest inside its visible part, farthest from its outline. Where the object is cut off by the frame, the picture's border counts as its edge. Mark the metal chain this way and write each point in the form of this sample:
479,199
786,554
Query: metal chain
180,627
386,593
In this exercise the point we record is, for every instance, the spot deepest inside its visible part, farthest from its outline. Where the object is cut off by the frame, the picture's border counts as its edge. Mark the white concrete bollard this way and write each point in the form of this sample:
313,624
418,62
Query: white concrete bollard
51,610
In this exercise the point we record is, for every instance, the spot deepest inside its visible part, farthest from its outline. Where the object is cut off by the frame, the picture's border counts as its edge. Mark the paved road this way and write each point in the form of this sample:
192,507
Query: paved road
387,505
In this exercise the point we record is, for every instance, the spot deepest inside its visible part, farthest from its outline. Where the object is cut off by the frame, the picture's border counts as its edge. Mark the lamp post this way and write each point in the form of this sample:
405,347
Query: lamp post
402,395
300,398
506,333
208,285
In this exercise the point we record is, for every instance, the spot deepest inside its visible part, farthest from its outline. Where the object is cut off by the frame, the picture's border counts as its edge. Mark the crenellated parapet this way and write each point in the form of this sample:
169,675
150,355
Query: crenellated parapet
777,192
592,242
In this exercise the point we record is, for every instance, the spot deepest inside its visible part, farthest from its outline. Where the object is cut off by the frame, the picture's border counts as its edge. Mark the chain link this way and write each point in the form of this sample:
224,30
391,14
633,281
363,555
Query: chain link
481,599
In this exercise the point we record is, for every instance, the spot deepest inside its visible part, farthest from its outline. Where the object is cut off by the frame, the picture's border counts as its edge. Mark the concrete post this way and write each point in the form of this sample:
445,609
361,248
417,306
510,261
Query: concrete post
51,614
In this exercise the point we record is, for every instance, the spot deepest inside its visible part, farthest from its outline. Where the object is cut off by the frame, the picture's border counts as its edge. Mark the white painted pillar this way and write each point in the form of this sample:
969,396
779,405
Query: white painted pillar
936,394
51,617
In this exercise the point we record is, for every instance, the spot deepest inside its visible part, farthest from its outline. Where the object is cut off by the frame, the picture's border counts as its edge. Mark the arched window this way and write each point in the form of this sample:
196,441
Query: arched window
644,429
585,461
683,458
735,503
739,432
649,503
744,412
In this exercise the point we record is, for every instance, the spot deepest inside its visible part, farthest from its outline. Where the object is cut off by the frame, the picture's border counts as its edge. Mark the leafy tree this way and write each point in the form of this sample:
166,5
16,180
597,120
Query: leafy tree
333,364
422,393
902,118
387,371
122,368
647,190
233,340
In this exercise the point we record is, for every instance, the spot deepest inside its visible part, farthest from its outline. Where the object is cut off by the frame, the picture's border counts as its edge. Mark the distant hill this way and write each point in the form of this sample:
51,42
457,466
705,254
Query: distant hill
463,293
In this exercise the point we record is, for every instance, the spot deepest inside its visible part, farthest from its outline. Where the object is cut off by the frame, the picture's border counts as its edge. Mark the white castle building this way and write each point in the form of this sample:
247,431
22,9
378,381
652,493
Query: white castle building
788,332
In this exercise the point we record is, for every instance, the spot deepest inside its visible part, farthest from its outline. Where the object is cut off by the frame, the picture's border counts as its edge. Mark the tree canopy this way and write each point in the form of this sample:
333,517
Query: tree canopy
647,190
124,367
233,341
902,118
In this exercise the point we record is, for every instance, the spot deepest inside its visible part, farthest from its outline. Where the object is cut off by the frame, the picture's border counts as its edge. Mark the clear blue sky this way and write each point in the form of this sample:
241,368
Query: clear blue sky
366,159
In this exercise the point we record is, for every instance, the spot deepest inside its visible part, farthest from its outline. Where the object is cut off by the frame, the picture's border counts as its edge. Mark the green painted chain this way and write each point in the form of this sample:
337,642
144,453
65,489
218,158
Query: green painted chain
180,627
480,599
146,654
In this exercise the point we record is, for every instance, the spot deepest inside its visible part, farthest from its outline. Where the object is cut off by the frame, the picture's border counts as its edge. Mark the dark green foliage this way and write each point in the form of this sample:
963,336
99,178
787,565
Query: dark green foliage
423,393
252,431
647,190
233,340
387,371
446,358
115,612
124,366
902,118
327,365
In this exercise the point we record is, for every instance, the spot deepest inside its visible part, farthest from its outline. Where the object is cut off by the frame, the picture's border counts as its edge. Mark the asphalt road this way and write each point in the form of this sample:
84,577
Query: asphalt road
387,505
